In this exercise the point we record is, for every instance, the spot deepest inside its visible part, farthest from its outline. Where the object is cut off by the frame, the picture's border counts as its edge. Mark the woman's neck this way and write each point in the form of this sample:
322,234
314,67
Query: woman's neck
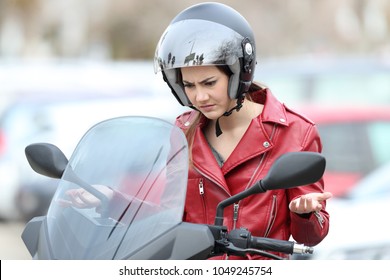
233,128
243,117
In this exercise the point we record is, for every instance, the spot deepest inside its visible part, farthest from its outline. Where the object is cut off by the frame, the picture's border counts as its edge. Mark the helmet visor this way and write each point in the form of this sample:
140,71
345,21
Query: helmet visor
197,42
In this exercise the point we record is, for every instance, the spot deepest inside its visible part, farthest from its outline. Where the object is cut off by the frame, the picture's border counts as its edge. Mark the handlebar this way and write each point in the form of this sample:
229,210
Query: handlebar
240,242
283,246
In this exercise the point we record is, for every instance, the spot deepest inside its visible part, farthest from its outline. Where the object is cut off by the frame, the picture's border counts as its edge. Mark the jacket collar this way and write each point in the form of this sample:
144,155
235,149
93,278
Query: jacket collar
274,111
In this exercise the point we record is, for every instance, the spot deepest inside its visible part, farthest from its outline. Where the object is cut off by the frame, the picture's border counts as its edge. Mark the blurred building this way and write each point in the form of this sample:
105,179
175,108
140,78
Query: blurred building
130,29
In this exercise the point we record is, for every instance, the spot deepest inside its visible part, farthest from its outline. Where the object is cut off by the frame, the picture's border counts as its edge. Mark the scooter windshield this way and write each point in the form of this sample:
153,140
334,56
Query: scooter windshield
124,186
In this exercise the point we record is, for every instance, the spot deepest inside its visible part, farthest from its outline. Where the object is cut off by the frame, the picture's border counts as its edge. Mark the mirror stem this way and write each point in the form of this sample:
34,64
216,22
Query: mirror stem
73,178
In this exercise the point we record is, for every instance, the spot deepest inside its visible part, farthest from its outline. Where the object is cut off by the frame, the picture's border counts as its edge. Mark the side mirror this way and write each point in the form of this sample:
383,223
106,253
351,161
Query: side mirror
46,159
292,170
288,171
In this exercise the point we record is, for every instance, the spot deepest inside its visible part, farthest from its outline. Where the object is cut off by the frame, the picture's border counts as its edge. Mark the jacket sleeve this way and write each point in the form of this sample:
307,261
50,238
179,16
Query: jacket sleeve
310,229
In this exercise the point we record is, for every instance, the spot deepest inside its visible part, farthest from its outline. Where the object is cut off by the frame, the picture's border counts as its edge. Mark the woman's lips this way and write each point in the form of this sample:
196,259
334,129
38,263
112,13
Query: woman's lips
207,108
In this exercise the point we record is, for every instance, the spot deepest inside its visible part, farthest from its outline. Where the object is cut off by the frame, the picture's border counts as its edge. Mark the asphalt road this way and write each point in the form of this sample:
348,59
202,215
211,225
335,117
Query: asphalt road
11,244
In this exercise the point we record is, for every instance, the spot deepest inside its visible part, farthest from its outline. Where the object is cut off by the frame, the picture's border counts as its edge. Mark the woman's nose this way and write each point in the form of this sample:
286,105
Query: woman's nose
201,95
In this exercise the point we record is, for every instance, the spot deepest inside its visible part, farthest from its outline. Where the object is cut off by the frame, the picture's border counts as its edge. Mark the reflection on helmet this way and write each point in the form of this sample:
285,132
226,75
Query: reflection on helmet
207,34
199,43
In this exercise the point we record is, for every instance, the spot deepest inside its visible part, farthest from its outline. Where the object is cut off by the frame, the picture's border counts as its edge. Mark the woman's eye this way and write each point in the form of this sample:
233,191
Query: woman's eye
211,83
188,85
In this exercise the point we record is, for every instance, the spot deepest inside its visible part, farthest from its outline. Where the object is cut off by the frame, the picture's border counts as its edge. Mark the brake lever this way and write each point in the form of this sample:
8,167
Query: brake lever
225,246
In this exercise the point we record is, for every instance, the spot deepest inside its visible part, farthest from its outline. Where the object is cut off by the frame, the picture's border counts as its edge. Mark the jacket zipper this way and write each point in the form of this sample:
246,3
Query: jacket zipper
319,218
208,178
272,216
201,187
201,193
236,206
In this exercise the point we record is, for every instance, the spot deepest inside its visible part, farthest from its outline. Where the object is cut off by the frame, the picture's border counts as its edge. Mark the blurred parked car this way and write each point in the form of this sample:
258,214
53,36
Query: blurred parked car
327,80
23,193
359,227
60,115
349,99
355,142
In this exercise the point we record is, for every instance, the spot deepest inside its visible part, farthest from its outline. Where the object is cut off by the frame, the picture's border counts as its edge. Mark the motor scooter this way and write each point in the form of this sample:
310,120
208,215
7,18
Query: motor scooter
143,161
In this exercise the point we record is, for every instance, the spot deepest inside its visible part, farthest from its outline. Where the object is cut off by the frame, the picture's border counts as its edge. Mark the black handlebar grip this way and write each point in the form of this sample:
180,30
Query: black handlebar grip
270,244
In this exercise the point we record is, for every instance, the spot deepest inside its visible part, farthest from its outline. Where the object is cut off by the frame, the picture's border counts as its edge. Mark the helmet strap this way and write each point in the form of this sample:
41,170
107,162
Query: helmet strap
240,100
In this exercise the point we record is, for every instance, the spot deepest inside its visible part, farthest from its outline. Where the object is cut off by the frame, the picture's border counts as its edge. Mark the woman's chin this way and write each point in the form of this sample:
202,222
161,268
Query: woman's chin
212,115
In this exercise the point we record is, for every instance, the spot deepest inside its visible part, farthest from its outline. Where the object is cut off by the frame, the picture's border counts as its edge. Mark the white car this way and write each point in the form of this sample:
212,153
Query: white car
359,224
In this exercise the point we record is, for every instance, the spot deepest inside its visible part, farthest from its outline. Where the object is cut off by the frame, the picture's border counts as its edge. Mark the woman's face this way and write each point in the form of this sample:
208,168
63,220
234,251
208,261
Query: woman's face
207,89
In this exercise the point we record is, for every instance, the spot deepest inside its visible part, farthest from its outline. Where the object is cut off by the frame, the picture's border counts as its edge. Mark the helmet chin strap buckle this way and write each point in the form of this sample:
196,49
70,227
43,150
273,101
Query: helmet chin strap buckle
240,100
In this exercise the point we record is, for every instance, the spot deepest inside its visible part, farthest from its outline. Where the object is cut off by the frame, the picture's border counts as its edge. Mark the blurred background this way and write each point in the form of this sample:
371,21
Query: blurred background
67,64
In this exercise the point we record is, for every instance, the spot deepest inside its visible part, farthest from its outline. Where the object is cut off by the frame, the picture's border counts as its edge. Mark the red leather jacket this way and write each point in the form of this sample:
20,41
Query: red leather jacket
276,131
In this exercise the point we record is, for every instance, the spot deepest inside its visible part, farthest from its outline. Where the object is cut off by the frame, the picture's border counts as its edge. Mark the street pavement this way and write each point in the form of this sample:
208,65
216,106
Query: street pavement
11,244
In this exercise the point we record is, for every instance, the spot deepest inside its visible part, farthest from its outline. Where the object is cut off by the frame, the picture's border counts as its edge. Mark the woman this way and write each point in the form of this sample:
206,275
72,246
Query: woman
236,128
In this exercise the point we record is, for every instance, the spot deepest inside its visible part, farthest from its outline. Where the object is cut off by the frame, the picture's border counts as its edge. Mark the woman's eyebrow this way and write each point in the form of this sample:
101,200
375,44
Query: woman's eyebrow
201,82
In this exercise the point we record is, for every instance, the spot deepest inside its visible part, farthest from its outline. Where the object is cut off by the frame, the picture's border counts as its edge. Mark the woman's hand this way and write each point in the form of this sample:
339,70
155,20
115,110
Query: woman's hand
308,203
81,198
